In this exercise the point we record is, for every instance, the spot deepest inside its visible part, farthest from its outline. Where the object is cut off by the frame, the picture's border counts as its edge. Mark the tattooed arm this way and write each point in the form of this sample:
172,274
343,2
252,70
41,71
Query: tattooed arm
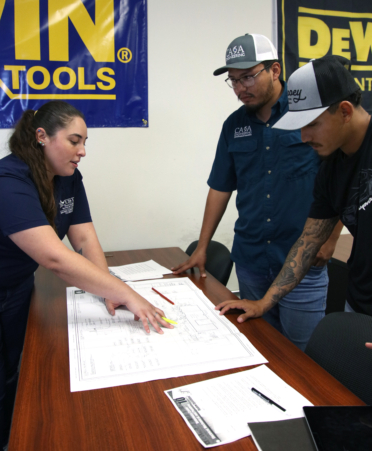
326,251
315,233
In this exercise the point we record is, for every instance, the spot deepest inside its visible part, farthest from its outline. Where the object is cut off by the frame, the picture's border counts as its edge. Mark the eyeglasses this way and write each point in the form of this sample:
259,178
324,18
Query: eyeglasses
246,81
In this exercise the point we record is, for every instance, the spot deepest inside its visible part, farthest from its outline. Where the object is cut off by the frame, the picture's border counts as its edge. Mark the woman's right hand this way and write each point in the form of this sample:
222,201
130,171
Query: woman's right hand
143,310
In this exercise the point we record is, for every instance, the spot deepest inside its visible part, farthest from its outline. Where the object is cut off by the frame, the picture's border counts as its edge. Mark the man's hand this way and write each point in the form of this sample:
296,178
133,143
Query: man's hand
198,258
143,311
214,209
325,253
253,309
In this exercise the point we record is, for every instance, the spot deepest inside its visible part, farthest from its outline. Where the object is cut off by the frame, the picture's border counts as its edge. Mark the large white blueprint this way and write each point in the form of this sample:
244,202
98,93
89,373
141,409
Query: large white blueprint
107,351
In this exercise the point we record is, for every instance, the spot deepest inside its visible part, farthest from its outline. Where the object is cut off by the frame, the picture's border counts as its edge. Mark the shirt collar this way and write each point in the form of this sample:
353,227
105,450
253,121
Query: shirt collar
282,103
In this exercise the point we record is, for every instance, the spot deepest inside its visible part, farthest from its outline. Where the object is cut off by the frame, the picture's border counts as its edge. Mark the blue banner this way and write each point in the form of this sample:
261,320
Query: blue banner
90,53
310,29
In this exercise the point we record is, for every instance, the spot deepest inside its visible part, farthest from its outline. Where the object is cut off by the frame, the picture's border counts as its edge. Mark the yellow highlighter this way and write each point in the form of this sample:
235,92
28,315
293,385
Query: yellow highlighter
168,320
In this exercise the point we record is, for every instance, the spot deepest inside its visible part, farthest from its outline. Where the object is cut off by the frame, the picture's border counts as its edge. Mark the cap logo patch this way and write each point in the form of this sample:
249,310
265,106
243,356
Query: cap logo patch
235,52
294,96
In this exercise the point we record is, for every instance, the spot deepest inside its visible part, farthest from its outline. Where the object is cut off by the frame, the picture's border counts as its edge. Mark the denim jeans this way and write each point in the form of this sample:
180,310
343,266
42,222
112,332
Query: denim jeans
298,313
14,306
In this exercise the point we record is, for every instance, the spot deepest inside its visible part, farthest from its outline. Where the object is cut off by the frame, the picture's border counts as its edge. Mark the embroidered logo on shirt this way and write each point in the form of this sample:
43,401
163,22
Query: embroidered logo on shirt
240,132
360,197
235,52
66,206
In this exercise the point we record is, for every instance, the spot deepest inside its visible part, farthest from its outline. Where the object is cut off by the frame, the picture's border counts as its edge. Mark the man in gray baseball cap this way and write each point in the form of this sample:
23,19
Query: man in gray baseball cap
273,173
325,102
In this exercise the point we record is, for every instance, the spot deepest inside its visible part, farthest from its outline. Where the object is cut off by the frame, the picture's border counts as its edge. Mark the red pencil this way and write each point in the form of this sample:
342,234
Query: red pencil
162,295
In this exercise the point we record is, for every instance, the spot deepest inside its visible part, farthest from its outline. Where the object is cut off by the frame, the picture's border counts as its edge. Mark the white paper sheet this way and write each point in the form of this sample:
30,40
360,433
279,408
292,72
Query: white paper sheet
107,351
139,271
217,411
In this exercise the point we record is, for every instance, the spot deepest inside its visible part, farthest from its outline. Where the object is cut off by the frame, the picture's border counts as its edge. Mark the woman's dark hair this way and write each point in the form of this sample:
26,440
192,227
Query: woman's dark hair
52,117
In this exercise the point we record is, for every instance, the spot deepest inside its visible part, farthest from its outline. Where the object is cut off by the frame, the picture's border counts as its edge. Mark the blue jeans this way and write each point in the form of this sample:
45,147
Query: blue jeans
298,313
14,306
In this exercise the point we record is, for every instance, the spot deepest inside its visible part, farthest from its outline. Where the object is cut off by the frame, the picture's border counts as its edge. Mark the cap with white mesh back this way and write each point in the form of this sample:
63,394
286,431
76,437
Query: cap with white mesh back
314,87
247,51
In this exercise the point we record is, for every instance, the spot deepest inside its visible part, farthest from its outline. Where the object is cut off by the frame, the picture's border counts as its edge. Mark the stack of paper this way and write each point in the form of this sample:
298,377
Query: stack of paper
139,271
217,411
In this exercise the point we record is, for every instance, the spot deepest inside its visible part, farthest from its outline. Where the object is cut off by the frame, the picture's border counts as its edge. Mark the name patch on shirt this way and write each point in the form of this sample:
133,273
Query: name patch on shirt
240,132
66,206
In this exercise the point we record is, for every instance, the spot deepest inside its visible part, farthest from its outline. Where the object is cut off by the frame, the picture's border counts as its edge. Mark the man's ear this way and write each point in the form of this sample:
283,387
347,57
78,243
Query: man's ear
346,109
276,69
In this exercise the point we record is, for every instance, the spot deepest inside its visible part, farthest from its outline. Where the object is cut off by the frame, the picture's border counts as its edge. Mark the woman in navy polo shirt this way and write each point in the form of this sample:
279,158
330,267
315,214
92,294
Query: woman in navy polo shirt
42,199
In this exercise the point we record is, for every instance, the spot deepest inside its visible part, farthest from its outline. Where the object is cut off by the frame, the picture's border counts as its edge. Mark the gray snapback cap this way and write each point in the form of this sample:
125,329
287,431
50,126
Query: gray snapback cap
314,87
247,51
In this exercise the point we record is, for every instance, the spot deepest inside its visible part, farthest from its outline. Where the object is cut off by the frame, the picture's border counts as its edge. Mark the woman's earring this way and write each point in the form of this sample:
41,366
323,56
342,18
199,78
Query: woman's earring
41,143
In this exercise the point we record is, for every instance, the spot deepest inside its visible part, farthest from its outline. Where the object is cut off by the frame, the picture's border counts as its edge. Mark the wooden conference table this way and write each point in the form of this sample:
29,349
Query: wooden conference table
47,417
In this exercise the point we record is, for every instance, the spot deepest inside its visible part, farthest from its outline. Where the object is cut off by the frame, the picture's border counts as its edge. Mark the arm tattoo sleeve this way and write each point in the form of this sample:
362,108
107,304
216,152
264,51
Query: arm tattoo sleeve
299,259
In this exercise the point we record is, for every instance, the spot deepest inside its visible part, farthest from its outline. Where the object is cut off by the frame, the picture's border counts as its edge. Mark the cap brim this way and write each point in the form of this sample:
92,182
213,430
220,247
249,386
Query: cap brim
242,65
294,120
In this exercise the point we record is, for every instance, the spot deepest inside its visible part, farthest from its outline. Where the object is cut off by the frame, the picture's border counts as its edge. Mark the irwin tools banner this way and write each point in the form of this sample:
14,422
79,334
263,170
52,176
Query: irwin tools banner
90,53
314,28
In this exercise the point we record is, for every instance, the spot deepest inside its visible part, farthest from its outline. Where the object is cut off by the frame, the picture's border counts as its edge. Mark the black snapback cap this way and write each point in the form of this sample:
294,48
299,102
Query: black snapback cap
314,87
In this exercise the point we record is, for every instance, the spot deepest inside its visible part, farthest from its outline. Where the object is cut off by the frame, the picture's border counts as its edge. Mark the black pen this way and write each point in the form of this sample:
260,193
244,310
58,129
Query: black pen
265,398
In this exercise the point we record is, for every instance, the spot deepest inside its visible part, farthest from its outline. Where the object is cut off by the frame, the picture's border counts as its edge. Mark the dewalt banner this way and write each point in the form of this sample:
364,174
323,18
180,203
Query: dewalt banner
310,29
90,53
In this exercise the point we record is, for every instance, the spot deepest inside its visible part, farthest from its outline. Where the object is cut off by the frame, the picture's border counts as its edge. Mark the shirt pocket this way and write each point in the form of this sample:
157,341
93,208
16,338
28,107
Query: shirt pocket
298,159
246,160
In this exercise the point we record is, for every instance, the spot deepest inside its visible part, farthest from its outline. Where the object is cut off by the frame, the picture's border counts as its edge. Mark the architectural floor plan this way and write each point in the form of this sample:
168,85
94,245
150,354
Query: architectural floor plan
107,351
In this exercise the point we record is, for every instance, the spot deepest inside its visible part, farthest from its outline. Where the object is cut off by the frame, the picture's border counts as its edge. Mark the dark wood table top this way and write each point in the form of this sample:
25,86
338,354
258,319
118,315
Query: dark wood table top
47,417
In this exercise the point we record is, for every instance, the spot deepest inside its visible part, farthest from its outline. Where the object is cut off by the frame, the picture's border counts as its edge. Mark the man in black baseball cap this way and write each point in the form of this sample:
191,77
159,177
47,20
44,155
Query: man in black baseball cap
324,100
273,173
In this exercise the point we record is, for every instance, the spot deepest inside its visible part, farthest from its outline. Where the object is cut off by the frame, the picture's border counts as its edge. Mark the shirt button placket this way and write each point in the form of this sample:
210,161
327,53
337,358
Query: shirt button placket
267,144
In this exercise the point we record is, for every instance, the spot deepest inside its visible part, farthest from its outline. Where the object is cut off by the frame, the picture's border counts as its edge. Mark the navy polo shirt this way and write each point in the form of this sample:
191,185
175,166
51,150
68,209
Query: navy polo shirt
20,209
273,172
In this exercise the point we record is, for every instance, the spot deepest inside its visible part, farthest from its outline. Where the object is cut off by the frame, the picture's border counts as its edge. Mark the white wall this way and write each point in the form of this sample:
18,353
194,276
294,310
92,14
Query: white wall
147,187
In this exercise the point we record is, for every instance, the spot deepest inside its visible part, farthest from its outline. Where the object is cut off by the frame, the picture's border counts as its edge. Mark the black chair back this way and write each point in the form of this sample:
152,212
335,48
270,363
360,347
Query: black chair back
338,345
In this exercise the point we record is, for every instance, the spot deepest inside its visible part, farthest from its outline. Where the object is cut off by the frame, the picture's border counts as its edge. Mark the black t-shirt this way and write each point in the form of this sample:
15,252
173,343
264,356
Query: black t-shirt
343,188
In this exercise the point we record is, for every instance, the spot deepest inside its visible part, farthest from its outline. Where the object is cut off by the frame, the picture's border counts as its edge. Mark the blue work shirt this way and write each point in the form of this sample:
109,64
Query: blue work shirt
21,209
273,172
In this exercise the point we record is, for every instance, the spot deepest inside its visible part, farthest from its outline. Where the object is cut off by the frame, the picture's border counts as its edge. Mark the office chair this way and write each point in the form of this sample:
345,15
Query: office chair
338,345
218,263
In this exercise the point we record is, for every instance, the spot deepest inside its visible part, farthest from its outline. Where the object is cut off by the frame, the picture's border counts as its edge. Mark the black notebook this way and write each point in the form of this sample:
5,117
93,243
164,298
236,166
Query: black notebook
284,435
